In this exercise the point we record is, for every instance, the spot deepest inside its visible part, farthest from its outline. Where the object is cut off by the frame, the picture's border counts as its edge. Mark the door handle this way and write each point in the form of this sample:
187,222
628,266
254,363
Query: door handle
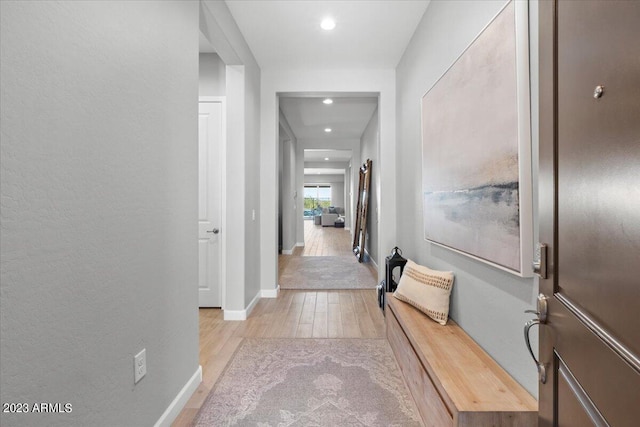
541,312
214,231
542,371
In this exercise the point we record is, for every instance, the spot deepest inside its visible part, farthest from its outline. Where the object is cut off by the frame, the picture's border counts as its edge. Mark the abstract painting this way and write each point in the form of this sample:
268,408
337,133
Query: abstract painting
477,150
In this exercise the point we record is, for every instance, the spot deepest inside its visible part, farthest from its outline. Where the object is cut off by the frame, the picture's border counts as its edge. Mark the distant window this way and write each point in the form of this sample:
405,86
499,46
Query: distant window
316,197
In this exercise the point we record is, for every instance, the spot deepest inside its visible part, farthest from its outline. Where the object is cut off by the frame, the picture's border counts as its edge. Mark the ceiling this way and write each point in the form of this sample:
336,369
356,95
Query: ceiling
341,157
347,117
323,171
311,155
287,33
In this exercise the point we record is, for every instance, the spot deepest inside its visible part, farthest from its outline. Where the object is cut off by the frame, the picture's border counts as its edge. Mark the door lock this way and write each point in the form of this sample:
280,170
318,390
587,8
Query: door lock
541,308
540,262
214,231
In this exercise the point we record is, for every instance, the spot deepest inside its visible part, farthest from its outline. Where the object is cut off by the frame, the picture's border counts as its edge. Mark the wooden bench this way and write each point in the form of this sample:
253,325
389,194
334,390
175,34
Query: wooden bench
453,381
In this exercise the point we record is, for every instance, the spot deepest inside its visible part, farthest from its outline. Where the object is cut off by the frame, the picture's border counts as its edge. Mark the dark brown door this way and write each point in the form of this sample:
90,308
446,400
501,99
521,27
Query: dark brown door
590,212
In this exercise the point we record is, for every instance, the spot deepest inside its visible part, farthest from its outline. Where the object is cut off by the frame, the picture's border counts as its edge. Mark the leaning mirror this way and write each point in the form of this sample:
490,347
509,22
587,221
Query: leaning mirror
360,231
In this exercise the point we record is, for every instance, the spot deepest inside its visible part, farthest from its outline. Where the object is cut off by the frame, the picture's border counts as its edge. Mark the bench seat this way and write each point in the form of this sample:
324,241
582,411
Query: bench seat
453,381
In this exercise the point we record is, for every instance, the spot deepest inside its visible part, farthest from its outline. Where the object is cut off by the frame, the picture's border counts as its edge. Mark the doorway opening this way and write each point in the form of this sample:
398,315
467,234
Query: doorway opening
323,139
211,176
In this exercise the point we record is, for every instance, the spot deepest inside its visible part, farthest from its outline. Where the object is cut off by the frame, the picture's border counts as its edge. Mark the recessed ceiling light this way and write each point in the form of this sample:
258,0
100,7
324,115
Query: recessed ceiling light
327,130
328,24
328,101
326,158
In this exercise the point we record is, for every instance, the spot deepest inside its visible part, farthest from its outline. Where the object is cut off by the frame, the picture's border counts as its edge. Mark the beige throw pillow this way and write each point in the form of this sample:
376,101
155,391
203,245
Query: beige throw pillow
427,290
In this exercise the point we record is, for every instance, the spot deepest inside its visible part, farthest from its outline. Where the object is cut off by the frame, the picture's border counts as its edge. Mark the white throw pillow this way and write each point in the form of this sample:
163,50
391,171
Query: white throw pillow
427,290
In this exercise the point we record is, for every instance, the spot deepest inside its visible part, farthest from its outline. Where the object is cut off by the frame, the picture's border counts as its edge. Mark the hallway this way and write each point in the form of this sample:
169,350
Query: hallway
294,314
325,241
325,262
349,313
319,241
101,262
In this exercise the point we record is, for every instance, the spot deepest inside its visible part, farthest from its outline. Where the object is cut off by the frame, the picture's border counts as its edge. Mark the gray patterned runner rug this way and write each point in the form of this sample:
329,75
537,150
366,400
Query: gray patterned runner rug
310,382
326,272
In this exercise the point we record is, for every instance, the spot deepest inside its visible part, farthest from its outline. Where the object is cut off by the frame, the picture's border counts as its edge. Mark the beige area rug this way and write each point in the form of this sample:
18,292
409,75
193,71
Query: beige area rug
310,382
326,272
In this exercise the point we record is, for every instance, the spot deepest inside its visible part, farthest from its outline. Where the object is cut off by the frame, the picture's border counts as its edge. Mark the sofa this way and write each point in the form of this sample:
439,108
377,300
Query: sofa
330,215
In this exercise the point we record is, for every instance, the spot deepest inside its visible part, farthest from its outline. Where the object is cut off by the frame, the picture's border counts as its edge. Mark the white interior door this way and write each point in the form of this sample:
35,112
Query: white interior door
210,141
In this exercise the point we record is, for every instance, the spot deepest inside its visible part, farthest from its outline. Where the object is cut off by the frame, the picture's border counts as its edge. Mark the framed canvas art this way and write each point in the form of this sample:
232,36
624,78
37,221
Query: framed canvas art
476,148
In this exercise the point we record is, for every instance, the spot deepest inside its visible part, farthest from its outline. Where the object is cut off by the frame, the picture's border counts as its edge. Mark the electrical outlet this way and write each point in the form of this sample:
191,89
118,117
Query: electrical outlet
139,365
253,214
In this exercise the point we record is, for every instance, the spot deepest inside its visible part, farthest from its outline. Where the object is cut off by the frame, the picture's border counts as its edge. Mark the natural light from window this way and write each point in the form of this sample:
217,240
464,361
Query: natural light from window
316,197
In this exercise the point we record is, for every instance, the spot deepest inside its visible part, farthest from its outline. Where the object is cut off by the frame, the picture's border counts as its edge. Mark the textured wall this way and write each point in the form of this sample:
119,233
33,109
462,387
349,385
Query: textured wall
99,207
486,302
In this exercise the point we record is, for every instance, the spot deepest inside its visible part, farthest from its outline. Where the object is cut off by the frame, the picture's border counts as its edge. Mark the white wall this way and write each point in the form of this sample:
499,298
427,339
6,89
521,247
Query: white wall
290,195
369,150
288,191
282,138
486,302
348,199
329,180
243,158
252,190
337,193
212,75
99,207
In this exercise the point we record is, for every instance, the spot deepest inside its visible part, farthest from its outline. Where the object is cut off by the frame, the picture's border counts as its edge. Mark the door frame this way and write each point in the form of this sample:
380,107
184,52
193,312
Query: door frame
547,194
223,194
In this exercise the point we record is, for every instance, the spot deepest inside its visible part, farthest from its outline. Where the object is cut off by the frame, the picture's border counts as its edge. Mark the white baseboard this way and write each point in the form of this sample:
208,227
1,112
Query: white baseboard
252,304
289,251
235,314
173,410
371,260
300,244
270,293
347,228
373,263
242,314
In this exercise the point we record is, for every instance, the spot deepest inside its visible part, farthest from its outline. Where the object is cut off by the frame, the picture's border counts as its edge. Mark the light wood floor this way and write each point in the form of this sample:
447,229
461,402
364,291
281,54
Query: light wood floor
325,241
294,314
